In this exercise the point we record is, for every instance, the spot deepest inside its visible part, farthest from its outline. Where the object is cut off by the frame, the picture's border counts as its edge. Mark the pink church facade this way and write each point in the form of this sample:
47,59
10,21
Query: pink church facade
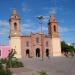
4,51
36,44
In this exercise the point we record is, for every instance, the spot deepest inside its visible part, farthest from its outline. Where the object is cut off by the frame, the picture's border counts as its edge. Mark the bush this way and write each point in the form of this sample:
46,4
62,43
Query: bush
5,72
1,67
43,73
3,61
14,64
11,63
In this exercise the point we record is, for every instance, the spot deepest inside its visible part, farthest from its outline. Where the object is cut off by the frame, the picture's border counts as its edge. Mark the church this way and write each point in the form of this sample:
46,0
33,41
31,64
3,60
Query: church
36,44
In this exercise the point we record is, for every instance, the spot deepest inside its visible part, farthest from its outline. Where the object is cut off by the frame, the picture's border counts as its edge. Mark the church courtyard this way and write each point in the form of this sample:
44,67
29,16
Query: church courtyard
52,66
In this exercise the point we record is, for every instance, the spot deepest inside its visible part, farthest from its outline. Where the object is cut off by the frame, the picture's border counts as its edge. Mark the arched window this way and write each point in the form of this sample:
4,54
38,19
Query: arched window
46,43
54,28
15,26
27,44
37,40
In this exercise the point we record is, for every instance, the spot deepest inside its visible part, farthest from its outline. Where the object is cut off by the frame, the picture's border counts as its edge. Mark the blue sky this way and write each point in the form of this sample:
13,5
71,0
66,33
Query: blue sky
28,10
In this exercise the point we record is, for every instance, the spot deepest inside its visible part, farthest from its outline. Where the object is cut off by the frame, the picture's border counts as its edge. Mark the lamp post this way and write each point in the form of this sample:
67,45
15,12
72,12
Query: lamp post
41,18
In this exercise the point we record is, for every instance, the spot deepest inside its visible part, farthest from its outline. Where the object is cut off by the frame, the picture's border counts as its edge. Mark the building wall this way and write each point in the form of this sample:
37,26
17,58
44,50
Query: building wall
56,47
15,43
24,47
47,39
4,51
33,45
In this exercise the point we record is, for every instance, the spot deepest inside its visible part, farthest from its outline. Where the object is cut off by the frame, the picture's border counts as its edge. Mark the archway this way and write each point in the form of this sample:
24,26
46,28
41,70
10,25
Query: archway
15,26
47,52
27,53
37,52
54,28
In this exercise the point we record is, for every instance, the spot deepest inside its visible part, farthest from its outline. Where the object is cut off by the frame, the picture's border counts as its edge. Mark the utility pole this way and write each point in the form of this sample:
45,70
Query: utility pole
41,18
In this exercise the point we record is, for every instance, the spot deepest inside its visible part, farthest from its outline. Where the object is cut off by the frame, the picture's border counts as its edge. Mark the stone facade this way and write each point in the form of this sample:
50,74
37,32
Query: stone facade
36,44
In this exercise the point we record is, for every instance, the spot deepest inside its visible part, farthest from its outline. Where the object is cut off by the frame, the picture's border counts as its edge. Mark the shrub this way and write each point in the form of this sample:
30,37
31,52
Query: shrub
5,72
1,67
43,73
14,64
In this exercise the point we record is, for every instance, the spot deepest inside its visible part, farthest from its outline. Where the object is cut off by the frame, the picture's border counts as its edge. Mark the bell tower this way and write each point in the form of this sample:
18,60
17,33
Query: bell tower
14,24
54,35
15,36
53,27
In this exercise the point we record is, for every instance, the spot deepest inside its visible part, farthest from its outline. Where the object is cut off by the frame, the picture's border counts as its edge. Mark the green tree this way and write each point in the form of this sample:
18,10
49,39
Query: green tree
13,61
10,57
65,48
11,54
43,73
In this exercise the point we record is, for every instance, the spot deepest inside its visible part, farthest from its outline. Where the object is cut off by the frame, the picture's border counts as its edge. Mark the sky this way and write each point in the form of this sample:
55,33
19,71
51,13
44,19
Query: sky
29,10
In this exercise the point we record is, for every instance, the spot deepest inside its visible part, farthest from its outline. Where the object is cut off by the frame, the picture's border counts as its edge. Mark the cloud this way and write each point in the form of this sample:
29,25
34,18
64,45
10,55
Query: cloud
52,11
30,26
4,27
25,7
27,28
4,32
66,29
25,25
3,23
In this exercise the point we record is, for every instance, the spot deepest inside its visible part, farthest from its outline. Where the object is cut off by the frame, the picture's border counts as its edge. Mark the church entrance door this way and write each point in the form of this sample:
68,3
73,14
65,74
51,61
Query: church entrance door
37,52
27,53
47,52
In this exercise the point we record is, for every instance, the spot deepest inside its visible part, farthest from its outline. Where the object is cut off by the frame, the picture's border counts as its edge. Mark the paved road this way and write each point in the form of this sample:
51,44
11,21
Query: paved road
53,66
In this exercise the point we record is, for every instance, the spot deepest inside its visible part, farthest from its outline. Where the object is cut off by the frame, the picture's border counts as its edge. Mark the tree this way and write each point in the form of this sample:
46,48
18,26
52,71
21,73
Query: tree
11,54
10,57
13,61
8,62
65,48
